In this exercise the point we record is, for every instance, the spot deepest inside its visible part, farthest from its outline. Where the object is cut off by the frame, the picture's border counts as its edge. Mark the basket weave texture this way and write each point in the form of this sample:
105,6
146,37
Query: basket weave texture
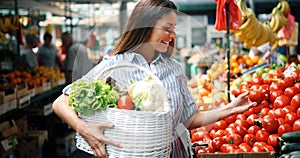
140,133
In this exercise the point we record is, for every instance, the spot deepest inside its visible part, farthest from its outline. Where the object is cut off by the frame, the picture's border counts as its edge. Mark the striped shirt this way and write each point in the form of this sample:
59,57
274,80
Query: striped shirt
171,74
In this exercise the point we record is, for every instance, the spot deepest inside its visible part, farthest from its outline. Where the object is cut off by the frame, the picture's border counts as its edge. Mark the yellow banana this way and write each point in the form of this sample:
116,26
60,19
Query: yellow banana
2,25
284,7
283,19
249,22
272,36
273,21
255,33
7,22
242,6
277,26
263,37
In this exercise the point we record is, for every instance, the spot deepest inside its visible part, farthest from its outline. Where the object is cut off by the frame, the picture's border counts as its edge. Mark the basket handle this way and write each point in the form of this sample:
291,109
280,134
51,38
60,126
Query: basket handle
130,65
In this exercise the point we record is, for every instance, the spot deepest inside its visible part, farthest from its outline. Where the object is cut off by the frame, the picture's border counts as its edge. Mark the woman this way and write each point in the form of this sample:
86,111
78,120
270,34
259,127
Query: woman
148,40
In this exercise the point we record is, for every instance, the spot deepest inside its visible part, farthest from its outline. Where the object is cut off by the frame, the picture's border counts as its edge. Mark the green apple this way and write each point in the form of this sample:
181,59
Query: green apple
260,71
247,77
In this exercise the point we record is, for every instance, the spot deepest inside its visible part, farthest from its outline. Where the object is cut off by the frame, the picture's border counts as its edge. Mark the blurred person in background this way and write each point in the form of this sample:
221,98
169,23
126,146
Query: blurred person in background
77,62
26,52
47,52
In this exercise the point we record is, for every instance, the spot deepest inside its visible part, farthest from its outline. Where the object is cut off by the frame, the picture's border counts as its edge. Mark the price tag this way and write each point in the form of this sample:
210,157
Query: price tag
289,70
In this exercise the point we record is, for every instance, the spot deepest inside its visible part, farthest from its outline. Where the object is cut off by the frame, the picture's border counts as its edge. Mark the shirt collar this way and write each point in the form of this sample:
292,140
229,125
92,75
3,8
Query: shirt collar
134,55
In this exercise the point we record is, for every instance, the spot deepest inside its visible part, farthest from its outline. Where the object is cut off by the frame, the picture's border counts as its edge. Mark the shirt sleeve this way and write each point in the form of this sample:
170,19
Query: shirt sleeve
188,102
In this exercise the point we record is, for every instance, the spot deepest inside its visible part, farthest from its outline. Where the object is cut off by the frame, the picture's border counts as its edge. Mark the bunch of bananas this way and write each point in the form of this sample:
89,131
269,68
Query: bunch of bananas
278,19
284,6
8,24
253,32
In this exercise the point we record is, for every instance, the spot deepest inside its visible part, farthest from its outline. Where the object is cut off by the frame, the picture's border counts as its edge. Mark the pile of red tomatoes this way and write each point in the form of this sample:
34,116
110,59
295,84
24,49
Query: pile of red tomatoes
257,129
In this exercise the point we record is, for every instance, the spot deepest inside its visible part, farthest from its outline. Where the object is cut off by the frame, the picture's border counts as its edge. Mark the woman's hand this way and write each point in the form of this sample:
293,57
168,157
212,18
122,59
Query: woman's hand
240,104
91,132
93,135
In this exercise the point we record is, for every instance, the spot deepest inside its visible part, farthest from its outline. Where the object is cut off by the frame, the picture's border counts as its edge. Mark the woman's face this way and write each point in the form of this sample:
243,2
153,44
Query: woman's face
163,32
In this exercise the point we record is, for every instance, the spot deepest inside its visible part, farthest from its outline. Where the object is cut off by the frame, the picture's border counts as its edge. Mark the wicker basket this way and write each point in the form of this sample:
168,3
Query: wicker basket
140,133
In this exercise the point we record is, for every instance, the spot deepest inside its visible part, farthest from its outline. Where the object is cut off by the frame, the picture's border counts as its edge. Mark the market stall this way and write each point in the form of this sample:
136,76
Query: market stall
261,130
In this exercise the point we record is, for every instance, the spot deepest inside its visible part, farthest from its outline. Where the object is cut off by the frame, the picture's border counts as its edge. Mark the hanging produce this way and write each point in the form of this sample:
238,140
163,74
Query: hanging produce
235,15
253,32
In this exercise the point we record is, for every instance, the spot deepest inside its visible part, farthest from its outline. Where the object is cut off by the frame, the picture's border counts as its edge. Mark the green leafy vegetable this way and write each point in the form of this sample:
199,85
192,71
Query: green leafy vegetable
87,97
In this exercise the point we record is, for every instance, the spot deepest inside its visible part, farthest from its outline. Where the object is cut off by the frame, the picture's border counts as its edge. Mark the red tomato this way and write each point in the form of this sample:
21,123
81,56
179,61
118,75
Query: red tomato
230,131
218,142
256,96
264,112
273,139
212,132
228,148
262,136
234,139
297,85
288,82
258,108
281,121
288,109
249,111
278,113
298,113
295,102
241,130
262,144
284,128
274,86
199,135
270,123
219,133
245,147
253,130
241,117
296,125
281,101
269,148
230,119
291,91
220,125
236,92
257,80
258,149
268,80
209,149
249,139
125,102
251,119
290,118
243,123
274,94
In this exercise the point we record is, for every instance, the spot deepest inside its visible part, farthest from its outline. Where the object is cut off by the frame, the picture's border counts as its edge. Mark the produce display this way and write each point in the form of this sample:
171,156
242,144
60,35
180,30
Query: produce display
259,129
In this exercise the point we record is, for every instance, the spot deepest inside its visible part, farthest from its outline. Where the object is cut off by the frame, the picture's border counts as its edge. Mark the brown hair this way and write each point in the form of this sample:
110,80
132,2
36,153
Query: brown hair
140,24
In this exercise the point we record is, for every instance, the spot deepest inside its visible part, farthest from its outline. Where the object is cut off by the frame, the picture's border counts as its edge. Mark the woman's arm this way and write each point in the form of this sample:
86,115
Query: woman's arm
91,132
202,118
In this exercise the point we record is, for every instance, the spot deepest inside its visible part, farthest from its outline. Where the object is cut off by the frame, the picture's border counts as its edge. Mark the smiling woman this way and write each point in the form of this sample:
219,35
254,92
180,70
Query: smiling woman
148,40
